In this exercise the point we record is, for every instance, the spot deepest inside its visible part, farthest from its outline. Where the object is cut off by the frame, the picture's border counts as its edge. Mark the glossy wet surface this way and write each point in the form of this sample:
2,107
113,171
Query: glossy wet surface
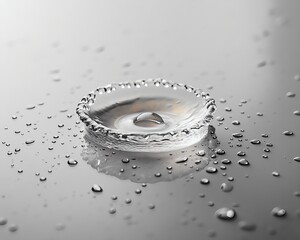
244,53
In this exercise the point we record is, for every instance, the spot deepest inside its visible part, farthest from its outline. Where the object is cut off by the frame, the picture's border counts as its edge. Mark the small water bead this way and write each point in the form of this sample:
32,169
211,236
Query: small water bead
72,162
226,161
261,64
112,210
297,159
220,119
269,144
13,228
43,178
157,174
259,114
3,220
226,187
183,160
222,100
228,109
275,174
148,119
230,179
125,160
29,141
211,170
128,200
297,77
204,181
297,194
114,197
220,151
241,154
151,206
138,191
243,162
237,135
20,171
236,122
296,113
211,203
255,141
14,117
201,153
97,188
278,212
247,226
225,213
290,94
264,135
288,133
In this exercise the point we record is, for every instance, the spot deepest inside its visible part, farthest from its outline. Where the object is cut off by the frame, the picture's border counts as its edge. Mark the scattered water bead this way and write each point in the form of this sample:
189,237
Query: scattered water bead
237,135
226,187
97,188
297,159
211,170
220,119
278,212
236,122
247,226
220,151
297,77
3,220
297,194
157,174
43,178
20,171
241,154
138,191
226,161
204,181
269,144
182,160
29,141
112,210
228,109
211,204
128,200
222,100
259,114
13,228
72,162
243,162
151,206
288,133
261,64
125,160
296,113
14,117
114,197
264,135
255,141
225,213
30,107
201,153
290,94
275,174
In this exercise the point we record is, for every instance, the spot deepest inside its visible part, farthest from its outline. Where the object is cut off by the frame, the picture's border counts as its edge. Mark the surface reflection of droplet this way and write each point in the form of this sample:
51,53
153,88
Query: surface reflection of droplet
148,119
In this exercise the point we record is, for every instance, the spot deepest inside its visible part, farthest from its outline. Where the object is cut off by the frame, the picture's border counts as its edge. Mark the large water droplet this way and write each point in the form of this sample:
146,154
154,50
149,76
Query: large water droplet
148,119
225,213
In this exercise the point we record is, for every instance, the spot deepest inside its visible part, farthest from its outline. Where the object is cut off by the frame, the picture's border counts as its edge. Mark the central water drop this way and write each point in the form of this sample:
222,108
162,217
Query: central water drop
148,119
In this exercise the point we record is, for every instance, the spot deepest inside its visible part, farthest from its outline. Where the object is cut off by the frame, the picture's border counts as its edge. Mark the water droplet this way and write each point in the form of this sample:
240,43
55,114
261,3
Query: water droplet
278,212
125,160
204,181
261,64
97,188
13,228
247,226
275,174
288,133
296,113
259,114
29,141
211,170
183,160
201,153
237,135
3,220
226,161
236,122
220,151
243,162
138,191
290,94
241,154
112,210
72,162
43,179
151,206
225,213
297,159
157,174
226,187
128,200
148,119
255,141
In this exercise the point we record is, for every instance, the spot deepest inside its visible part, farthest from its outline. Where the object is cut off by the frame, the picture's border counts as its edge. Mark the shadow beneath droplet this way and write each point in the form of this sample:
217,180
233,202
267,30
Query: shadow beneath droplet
150,167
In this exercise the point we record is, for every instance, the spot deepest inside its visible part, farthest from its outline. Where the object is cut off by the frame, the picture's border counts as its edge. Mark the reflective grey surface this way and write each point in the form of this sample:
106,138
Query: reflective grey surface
53,53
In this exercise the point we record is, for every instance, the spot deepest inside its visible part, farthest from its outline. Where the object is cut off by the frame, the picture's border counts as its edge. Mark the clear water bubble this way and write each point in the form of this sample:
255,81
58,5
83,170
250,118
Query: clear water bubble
225,213
146,115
